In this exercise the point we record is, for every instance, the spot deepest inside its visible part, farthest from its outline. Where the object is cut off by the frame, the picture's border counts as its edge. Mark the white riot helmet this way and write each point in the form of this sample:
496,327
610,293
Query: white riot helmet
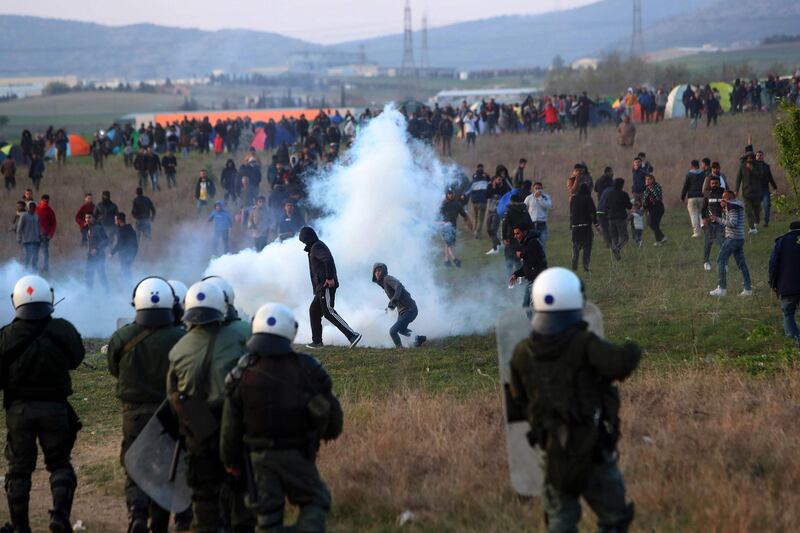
205,303
32,298
153,298
180,290
558,301
274,329
230,296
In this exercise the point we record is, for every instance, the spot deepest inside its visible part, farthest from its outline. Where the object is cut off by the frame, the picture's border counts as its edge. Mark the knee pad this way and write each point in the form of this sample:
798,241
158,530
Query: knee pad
64,478
18,486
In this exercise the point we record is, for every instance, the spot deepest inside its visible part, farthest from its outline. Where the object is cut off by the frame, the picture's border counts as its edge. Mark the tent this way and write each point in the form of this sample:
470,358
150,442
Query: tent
78,145
725,90
14,152
75,147
284,134
675,107
260,139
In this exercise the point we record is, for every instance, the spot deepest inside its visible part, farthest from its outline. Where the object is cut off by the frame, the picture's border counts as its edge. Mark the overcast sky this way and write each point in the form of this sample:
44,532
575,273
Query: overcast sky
322,21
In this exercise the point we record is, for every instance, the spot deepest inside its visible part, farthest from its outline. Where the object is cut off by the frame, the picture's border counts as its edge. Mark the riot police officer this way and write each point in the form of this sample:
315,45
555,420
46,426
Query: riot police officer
562,380
199,362
278,407
138,356
37,353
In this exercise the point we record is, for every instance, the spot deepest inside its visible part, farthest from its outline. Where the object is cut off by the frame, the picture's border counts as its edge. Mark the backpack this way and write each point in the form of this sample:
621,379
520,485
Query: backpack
568,437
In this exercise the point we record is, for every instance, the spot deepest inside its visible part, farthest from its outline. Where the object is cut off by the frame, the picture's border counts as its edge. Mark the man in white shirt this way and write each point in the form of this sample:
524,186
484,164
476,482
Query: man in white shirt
539,205
470,128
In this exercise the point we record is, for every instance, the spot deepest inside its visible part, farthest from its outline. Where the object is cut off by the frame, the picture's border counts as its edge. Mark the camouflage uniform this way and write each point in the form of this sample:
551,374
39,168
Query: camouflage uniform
266,416
141,374
214,494
36,357
563,382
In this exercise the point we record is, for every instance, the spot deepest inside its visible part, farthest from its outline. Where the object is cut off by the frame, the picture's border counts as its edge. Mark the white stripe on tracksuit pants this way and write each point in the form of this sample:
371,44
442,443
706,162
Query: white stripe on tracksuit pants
323,305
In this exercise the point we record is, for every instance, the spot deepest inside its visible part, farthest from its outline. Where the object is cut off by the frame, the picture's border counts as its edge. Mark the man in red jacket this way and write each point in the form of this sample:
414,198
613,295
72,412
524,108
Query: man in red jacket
47,224
87,208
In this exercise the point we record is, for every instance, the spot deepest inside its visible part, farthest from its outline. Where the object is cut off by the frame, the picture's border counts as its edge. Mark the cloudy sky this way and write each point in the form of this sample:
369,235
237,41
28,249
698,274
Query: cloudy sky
322,21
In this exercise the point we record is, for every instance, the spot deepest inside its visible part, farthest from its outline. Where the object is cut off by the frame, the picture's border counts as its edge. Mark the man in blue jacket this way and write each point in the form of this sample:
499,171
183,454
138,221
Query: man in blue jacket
784,277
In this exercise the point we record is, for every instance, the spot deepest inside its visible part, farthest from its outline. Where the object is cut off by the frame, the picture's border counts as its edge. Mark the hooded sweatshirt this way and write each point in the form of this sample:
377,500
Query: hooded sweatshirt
399,297
618,202
320,260
693,184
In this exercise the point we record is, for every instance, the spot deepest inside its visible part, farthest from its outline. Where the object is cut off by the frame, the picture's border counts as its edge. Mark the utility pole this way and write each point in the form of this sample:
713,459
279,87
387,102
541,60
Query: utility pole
407,67
637,40
425,60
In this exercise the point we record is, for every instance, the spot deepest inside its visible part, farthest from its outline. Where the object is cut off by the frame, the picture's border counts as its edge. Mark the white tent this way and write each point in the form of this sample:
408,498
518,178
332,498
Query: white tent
675,107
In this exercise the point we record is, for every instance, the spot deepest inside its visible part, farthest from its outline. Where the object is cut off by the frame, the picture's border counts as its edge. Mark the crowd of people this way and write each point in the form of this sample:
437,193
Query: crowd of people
516,211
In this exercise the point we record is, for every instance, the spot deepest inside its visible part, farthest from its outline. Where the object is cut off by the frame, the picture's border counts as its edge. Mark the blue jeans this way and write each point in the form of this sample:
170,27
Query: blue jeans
403,320
789,306
735,248
31,255
541,229
526,298
766,204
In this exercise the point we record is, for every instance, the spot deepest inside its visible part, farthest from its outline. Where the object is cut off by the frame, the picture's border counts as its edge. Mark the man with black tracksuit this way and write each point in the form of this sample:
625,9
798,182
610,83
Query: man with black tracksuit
324,281
617,206
583,216
533,259
400,299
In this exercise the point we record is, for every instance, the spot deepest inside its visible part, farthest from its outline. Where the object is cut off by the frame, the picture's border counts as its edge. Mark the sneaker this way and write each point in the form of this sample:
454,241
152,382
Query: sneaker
519,281
419,340
753,231
662,241
315,345
616,254
695,235
718,292
493,251
640,244
355,340
746,292
707,266
448,264
457,262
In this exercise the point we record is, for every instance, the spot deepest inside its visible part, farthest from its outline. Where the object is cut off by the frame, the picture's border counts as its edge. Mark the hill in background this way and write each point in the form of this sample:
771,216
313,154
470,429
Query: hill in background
40,46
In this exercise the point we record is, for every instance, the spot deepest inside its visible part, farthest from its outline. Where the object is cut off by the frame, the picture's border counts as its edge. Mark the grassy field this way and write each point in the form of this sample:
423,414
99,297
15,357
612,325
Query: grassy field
709,434
760,59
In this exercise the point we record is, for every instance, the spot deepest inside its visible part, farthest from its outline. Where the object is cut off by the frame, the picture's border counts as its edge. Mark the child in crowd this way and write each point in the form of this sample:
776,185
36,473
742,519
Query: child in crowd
637,222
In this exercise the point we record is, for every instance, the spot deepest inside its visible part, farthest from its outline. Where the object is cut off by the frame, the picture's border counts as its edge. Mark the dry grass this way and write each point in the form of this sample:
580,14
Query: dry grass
703,449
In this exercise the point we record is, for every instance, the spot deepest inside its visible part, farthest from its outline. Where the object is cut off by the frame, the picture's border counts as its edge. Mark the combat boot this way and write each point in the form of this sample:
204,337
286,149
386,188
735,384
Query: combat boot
17,509
63,490
137,523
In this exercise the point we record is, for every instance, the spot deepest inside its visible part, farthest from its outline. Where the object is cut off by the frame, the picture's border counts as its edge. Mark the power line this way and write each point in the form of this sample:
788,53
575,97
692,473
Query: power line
407,67
637,40
425,60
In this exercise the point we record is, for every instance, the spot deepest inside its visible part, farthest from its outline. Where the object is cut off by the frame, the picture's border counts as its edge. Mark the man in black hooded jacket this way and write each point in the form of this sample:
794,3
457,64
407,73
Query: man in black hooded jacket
324,282
582,215
400,299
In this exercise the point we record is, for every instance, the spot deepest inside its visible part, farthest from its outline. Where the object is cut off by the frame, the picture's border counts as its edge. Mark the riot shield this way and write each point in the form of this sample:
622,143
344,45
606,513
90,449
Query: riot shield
152,463
523,461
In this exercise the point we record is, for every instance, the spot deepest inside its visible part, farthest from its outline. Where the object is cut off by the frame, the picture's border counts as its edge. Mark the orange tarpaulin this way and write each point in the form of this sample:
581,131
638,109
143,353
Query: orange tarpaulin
256,115
78,146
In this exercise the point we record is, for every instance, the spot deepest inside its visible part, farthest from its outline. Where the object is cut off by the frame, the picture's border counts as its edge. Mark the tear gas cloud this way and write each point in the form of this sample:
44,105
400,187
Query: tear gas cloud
380,204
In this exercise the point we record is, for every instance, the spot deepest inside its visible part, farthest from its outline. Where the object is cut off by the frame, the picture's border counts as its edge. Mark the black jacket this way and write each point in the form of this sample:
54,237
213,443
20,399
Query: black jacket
603,182
320,260
582,211
784,264
533,258
618,203
127,245
693,184
515,214
36,357
143,208
399,297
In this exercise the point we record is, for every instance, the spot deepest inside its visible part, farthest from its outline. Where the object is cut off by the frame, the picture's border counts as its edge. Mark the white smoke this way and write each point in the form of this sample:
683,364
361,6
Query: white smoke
381,205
